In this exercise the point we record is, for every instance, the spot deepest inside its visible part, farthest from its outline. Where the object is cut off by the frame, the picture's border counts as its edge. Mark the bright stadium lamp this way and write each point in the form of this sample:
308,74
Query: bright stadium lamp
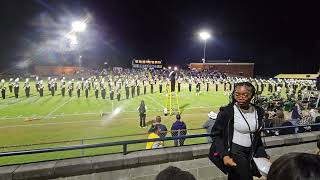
204,36
169,67
80,61
175,68
78,26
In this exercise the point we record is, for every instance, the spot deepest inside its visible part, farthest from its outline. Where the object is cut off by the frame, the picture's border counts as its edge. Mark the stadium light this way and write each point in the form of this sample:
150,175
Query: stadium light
204,36
80,62
169,67
175,68
79,26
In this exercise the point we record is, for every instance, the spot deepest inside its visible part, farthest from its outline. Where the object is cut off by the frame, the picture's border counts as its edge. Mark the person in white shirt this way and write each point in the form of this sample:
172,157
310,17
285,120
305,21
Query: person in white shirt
238,134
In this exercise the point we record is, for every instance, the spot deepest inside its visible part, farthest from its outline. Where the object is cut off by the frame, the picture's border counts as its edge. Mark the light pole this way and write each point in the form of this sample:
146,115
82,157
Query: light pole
204,36
80,62
76,28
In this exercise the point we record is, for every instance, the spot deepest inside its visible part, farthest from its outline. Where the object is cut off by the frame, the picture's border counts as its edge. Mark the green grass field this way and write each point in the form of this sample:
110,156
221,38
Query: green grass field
35,120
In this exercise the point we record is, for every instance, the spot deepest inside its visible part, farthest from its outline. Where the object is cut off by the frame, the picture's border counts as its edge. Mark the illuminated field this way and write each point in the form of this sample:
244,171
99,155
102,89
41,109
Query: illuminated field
36,120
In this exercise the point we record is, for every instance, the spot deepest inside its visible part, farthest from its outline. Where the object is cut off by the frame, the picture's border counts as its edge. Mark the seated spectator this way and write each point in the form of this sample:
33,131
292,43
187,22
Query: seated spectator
313,113
295,122
162,127
286,131
288,106
209,124
178,128
296,111
295,166
316,127
278,119
174,173
267,123
306,119
154,134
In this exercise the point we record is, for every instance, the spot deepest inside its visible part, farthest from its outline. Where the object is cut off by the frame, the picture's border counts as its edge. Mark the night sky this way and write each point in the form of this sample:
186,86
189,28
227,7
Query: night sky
278,36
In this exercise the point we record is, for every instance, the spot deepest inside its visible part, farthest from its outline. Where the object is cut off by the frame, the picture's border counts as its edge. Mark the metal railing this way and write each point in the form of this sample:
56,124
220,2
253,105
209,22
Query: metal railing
294,126
125,144
82,140
86,146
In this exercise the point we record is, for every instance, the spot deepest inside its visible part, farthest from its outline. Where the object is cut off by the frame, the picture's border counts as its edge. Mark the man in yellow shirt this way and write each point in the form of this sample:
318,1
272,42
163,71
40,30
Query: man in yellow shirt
154,134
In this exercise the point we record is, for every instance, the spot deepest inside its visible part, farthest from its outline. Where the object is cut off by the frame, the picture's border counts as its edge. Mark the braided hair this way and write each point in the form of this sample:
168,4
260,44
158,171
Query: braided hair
247,84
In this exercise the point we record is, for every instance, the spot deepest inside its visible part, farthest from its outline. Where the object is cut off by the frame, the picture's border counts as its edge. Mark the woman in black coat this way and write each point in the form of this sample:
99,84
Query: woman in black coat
142,114
238,134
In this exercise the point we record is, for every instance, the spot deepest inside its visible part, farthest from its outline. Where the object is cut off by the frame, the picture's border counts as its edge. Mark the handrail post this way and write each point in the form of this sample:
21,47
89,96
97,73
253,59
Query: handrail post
125,149
82,151
179,138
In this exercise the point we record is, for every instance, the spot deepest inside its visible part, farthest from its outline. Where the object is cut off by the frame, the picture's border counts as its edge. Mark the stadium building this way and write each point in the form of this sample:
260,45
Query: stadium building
146,63
227,67
57,64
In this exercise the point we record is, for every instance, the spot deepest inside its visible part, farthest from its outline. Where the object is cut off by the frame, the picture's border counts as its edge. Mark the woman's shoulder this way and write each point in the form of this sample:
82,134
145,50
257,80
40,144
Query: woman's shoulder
226,108
225,111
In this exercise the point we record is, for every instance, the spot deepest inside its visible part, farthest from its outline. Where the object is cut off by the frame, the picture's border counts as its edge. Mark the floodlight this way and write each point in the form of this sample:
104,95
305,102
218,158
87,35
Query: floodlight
175,68
169,67
204,35
78,26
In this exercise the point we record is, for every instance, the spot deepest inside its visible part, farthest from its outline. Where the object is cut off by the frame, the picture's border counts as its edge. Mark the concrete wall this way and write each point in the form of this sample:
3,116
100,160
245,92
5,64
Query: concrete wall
145,165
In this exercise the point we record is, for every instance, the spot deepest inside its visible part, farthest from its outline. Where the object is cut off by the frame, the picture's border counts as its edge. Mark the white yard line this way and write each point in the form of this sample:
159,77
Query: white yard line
68,122
45,124
3,106
155,101
111,105
13,101
78,114
93,113
18,101
38,116
58,107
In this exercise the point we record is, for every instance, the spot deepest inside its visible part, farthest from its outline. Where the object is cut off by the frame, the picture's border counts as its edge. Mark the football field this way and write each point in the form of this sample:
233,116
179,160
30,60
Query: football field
55,121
